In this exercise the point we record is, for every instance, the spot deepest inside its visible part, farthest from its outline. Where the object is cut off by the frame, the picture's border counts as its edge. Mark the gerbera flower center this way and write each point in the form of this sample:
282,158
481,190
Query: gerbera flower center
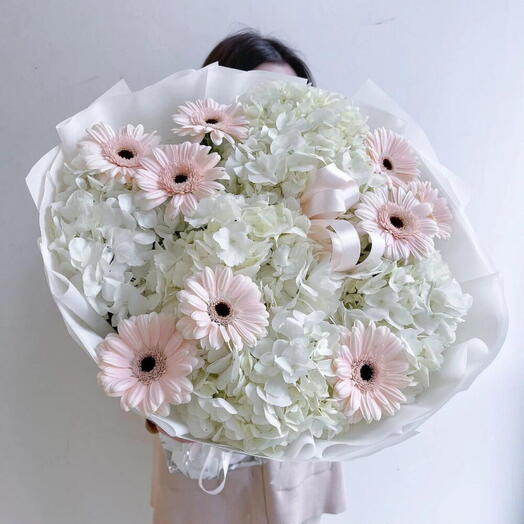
149,366
220,312
222,309
396,221
367,372
180,178
126,153
148,363
386,162
211,121
122,152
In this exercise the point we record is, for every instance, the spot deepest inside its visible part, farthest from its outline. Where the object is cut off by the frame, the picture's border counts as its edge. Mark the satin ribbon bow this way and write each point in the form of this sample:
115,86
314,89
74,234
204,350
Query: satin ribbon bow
328,196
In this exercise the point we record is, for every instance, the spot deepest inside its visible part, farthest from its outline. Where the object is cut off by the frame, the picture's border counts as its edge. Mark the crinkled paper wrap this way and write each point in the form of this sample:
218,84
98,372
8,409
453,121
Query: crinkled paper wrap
478,339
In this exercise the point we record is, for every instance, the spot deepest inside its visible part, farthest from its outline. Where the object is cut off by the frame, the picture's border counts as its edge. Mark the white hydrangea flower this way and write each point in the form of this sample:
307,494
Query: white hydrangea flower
233,242
293,131
104,245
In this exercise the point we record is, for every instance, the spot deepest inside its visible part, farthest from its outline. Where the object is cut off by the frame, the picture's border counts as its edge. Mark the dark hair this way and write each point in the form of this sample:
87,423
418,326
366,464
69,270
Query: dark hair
246,50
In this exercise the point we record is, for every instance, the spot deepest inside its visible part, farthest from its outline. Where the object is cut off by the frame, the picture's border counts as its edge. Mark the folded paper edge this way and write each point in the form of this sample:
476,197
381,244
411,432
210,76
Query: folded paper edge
36,177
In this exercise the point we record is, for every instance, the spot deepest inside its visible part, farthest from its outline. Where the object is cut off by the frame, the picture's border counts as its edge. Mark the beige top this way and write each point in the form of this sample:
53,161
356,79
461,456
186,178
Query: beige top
273,493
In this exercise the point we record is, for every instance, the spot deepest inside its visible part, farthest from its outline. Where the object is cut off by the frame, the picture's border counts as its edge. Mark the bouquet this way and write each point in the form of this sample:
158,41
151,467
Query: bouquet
264,266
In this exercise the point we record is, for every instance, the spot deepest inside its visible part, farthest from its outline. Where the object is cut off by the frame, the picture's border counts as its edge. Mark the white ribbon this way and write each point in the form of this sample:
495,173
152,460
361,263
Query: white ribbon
330,194
224,466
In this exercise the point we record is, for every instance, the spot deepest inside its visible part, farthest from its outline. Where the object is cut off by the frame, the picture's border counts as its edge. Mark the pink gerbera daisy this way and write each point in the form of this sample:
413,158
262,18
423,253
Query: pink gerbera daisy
440,212
222,307
185,173
147,364
371,372
117,154
207,117
400,219
392,156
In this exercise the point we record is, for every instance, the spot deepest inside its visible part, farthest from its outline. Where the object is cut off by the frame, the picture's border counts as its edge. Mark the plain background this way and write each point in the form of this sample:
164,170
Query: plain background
69,455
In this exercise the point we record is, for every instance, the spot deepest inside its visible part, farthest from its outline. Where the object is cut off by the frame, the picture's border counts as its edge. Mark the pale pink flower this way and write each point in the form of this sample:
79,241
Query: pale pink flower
184,173
222,308
371,372
117,154
207,117
403,222
147,364
391,155
440,212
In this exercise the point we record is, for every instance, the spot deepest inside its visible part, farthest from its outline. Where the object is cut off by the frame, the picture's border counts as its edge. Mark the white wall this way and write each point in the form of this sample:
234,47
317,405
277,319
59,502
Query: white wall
68,454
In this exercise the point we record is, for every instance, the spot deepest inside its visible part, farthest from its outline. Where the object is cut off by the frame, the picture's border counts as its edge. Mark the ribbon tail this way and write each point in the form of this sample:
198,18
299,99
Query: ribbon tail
344,241
378,245
345,246
225,459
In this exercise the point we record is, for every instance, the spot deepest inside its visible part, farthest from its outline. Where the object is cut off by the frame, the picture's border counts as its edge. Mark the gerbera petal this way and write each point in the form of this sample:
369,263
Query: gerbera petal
214,338
135,395
198,289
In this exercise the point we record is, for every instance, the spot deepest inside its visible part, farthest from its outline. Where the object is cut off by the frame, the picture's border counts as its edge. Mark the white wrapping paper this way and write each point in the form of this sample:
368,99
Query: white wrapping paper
478,339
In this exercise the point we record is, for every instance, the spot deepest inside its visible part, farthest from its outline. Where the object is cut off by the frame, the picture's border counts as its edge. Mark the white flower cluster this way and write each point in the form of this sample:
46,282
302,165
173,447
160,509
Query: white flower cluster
128,261
261,400
104,243
294,130
420,302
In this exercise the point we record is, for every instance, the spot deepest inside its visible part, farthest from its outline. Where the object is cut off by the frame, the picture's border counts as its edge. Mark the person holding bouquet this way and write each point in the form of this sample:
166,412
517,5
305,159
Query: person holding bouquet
273,492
